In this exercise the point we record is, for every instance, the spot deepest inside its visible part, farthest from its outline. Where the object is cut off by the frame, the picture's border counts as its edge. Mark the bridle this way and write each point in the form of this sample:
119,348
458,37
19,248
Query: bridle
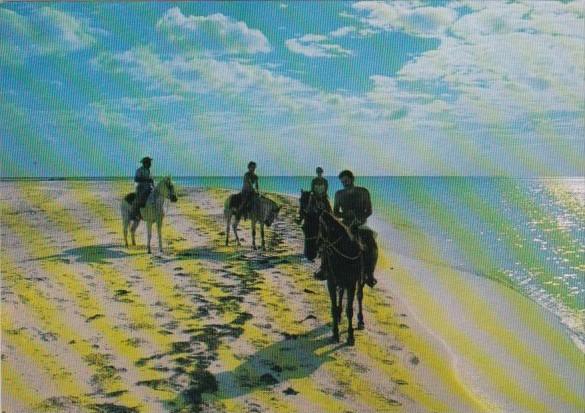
330,245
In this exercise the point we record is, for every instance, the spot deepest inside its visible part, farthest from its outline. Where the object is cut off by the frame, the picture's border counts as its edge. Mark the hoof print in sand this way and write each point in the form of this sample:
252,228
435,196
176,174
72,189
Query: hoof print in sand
289,391
112,408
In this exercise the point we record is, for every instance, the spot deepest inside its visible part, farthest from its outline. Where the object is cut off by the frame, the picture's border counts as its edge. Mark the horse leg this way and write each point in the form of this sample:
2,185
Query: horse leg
262,236
159,232
228,220
133,231
125,229
349,313
148,236
333,297
235,228
340,304
360,297
253,233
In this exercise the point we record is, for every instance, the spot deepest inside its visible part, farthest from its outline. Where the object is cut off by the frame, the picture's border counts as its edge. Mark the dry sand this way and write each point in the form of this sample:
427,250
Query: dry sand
90,326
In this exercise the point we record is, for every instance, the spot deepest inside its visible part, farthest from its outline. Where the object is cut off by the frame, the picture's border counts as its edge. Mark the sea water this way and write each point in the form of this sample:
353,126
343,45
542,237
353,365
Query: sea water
525,233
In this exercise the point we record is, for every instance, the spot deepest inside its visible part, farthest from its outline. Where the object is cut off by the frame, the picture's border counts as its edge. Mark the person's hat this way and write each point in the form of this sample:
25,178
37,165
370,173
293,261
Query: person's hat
146,159
319,169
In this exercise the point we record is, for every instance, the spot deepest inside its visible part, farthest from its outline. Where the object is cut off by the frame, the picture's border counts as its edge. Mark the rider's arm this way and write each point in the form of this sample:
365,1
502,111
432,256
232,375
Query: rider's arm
367,204
142,176
336,205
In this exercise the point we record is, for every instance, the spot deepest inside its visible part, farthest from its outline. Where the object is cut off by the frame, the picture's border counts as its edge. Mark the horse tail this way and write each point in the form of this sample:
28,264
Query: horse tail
227,211
125,208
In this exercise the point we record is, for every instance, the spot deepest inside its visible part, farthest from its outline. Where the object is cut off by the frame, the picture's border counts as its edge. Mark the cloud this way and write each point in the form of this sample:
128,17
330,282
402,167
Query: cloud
342,31
71,33
46,31
409,17
528,52
315,45
498,71
215,32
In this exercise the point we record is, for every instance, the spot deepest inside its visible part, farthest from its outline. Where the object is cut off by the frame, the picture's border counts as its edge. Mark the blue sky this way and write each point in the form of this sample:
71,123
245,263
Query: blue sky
398,88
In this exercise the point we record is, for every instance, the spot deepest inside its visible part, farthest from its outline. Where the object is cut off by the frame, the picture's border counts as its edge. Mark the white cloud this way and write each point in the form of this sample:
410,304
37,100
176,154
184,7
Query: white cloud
343,31
62,33
218,32
314,45
407,16
72,33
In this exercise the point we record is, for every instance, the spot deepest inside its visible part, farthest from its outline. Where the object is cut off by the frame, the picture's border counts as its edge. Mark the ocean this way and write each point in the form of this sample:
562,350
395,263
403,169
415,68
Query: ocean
527,234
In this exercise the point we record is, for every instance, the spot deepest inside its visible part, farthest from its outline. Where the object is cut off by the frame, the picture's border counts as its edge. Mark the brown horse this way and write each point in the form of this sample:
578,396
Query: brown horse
343,262
310,208
263,211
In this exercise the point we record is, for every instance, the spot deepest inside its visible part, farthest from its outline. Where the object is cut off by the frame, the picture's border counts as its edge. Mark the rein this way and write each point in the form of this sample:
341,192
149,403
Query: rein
331,245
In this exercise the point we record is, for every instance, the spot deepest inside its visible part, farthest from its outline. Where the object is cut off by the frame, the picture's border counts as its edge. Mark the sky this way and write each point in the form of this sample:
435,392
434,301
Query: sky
398,88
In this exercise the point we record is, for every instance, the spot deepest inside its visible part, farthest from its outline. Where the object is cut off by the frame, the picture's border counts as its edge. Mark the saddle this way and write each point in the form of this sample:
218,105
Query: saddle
235,201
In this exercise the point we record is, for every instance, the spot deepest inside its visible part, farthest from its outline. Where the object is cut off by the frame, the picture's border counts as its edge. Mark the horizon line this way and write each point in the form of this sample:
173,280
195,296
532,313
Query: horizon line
131,177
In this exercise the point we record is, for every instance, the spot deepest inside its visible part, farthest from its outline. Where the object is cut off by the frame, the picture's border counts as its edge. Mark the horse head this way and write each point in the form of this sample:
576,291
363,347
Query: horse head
304,200
270,212
168,189
329,227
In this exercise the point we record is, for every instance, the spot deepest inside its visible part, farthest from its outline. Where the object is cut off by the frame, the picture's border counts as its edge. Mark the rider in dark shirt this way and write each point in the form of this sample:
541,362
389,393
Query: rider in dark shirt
144,185
353,205
249,188
319,185
318,199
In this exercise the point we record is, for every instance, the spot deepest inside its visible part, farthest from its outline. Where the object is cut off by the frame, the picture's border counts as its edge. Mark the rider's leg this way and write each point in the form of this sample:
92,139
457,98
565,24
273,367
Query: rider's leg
243,205
139,202
370,256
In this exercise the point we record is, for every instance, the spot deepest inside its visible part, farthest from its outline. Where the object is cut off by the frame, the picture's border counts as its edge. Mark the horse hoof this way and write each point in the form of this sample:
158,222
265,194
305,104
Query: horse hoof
335,338
361,325
350,341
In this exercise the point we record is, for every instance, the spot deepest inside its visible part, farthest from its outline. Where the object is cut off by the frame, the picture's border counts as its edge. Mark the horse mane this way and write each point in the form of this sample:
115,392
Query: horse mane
304,200
272,202
333,219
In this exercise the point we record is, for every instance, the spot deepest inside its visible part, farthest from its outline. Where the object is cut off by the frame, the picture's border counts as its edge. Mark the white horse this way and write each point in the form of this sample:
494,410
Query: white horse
152,212
263,210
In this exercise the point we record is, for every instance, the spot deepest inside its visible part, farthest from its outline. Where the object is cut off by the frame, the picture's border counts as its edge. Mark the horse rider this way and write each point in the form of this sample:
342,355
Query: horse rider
353,205
319,185
250,189
318,197
144,186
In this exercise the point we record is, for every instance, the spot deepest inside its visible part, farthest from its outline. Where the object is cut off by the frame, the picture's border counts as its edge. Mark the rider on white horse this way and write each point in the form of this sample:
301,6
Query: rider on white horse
144,185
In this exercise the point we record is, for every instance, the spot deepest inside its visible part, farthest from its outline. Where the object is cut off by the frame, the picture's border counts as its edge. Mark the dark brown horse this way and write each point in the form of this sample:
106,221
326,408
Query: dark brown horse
310,211
343,261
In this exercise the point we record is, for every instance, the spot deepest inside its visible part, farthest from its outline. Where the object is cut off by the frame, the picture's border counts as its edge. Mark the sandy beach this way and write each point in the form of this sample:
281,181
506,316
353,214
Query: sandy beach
91,326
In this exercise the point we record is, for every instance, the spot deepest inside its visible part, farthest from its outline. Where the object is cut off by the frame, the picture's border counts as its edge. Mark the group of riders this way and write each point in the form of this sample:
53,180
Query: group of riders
352,205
